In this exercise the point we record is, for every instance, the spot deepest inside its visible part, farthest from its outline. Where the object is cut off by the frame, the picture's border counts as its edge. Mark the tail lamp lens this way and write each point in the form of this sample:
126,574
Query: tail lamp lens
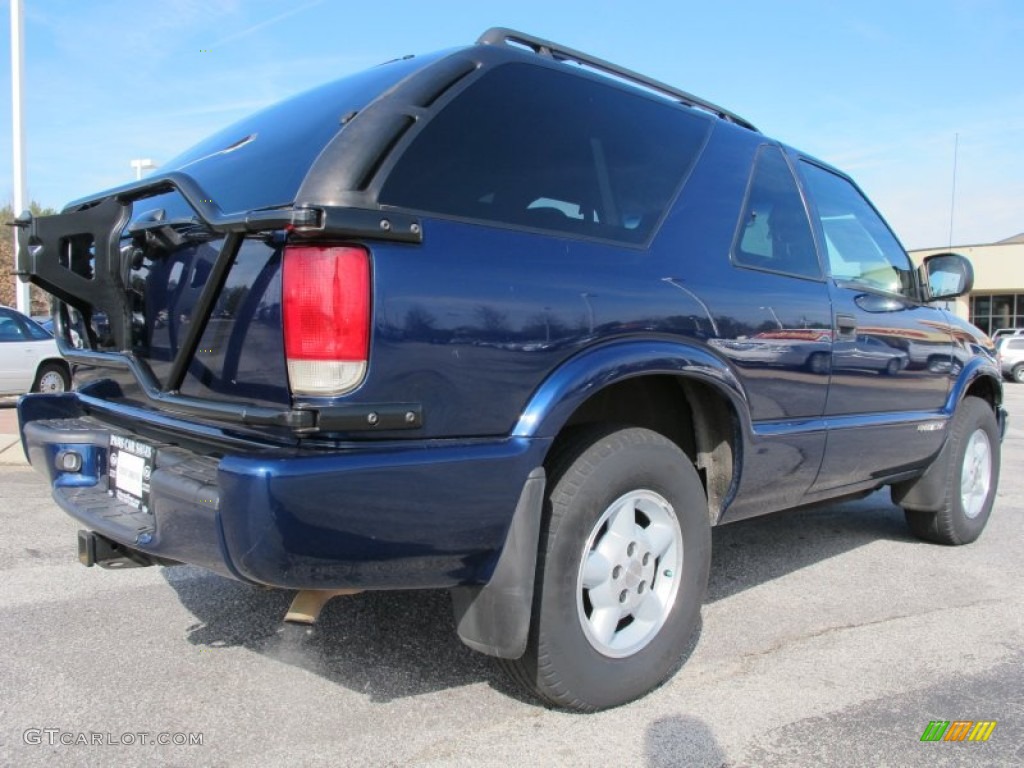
326,308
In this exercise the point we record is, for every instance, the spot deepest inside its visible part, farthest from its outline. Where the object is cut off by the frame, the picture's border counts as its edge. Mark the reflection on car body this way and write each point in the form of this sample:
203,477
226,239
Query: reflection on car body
868,353
787,348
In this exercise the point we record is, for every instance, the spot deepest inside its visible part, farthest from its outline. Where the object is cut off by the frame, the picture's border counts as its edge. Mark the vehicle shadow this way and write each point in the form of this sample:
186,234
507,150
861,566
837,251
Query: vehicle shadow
385,645
759,550
391,645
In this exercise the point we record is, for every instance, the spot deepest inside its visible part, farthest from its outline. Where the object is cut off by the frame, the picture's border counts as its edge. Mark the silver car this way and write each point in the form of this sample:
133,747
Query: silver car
1010,350
1004,332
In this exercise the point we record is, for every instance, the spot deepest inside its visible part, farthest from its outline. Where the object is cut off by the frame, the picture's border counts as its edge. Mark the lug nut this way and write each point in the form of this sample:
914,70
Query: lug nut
616,571
631,549
640,589
623,596
647,558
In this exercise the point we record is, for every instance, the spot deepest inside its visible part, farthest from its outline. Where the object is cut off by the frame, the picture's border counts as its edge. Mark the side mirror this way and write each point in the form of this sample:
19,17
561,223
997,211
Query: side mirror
948,275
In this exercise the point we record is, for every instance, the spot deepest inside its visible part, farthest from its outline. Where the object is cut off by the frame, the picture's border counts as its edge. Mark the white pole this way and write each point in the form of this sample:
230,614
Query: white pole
18,139
952,197
142,164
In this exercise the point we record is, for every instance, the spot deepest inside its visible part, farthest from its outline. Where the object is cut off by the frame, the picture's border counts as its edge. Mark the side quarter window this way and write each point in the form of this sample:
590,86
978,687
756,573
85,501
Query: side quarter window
774,233
532,147
860,247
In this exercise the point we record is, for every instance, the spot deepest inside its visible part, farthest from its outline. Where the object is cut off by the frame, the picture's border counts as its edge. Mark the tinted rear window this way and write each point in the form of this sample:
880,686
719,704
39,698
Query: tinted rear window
261,160
241,352
534,147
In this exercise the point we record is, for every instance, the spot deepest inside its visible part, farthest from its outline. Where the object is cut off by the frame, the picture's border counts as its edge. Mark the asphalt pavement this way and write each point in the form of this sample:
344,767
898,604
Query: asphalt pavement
830,637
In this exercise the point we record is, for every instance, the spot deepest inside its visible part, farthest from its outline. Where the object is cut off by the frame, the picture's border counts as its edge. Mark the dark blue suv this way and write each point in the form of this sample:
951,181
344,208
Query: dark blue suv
510,321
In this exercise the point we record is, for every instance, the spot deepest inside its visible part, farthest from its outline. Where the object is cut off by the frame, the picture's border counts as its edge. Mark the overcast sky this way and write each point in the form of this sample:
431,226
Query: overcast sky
879,88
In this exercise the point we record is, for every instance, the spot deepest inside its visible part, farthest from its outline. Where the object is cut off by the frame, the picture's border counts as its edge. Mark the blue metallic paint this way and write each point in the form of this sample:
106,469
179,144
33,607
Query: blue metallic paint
500,334
599,367
402,515
425,514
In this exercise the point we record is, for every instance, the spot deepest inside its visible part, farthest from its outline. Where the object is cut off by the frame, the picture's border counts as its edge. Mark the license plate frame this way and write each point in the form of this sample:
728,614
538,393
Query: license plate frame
130,467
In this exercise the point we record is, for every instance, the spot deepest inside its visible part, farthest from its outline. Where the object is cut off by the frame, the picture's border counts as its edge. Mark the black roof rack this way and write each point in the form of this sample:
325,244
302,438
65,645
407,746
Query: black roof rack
504,36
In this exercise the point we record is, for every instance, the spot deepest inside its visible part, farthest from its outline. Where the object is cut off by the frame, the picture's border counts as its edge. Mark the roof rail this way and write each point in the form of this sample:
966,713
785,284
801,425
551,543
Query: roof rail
512,38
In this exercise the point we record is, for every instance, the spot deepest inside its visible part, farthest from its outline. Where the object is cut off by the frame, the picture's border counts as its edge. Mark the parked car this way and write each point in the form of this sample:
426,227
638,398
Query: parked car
29,358
486,320
1003,332
1010,350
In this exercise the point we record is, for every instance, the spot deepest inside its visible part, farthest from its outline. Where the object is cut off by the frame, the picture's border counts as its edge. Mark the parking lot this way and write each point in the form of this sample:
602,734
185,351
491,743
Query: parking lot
829,636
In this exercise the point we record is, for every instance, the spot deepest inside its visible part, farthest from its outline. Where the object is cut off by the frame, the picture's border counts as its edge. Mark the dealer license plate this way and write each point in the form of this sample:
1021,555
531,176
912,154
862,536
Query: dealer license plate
131,465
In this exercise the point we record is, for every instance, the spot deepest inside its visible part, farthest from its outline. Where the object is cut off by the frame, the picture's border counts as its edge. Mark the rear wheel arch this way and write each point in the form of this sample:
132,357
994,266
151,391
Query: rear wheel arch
635,383
696,416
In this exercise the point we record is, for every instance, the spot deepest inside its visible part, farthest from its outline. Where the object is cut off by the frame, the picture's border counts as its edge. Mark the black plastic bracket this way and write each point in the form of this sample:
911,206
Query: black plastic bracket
360,222
363,417
75,256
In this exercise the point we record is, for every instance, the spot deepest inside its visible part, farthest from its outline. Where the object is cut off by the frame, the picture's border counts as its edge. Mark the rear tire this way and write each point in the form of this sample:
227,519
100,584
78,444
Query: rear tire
52,378
973,455
625,550
1018,373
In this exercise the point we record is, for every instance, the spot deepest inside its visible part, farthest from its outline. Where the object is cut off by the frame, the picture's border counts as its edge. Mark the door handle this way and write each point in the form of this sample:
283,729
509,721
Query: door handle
846,326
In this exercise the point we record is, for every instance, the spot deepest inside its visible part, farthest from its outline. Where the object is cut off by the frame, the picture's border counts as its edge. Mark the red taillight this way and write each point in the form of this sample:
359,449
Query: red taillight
326,310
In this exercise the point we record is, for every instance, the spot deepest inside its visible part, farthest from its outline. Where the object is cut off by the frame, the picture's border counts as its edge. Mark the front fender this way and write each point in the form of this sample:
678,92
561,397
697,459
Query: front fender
977,369
587,373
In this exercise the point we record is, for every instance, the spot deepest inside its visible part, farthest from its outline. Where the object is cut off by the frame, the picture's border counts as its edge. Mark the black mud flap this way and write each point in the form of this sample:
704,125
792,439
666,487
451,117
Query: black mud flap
495,619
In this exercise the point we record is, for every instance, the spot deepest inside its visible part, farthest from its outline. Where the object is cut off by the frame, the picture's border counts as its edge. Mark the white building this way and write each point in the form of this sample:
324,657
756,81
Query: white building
997,300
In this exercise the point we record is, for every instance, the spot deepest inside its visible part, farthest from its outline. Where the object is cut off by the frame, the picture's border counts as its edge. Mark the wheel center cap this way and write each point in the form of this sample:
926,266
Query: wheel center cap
633,574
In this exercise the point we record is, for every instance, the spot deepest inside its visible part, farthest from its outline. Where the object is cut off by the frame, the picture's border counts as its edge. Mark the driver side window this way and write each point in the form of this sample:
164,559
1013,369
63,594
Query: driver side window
859,245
